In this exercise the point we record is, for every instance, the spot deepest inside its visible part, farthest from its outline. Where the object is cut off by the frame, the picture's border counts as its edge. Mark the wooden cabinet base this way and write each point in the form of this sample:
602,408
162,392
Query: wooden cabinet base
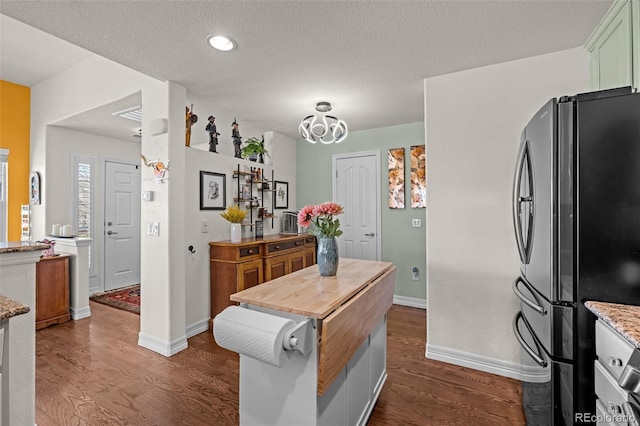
52,291
238,266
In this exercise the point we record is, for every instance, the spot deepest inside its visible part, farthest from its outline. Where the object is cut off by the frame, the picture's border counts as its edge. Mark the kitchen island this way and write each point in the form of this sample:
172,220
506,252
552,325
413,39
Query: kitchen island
335,367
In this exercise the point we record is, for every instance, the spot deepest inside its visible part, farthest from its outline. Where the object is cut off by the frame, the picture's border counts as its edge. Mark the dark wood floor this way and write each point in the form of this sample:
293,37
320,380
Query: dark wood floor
91,372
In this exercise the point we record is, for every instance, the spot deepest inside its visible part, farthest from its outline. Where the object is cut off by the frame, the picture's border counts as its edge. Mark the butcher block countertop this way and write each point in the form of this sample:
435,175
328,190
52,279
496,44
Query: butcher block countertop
305,292
625,319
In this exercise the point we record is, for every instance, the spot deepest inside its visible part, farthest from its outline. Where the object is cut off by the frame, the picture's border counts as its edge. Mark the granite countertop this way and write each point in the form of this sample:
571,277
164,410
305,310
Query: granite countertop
10,308
17,246
625,319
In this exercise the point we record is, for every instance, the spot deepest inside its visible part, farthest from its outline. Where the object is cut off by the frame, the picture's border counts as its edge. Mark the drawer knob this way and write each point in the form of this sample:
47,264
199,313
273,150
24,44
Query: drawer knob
297,243
613,408
250,251
615,362
277,247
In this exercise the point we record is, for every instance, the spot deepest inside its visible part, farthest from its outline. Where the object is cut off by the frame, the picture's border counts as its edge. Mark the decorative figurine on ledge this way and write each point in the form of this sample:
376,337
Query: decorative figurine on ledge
237,139
191,119
213,134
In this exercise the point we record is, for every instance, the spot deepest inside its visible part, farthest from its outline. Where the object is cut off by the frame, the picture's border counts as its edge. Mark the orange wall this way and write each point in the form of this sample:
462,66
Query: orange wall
15,111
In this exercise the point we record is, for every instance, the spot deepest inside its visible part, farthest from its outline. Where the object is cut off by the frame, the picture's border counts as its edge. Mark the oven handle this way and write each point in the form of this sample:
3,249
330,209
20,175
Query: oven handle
533,305
632,413
536,356
630,379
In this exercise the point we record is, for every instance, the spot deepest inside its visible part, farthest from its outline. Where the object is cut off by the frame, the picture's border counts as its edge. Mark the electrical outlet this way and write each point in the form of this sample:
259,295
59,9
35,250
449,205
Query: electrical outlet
416,223
204,226
153,229
415,273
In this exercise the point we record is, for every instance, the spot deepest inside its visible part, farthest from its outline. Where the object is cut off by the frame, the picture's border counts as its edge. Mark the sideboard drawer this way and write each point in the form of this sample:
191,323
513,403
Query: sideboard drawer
250,251
310,240
286,245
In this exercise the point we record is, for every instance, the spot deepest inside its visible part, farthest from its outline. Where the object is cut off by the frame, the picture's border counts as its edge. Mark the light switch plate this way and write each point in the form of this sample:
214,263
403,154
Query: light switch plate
204,226
153,229
416,223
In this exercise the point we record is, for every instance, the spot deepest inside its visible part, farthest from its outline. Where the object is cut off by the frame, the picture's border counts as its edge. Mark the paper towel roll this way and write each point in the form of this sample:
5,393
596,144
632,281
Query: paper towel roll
252,333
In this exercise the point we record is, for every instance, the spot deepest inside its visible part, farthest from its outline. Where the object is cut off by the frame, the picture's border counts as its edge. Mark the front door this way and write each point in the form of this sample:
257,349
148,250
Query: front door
121,225
357,188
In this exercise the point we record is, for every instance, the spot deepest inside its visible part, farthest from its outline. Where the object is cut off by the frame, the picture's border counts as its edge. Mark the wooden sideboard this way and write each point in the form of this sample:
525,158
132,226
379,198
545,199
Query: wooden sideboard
52,291
237,266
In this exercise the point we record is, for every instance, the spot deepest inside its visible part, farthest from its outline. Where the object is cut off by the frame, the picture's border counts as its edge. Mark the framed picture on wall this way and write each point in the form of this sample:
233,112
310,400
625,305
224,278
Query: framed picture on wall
281,192
213,191
34,188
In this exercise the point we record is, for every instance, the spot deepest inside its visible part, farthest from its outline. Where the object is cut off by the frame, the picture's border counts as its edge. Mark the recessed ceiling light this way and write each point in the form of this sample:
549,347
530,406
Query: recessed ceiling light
221,42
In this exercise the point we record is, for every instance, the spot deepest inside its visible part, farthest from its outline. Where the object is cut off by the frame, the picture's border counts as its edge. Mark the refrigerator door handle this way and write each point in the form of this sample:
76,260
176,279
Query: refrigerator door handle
524,160
533,305
536,355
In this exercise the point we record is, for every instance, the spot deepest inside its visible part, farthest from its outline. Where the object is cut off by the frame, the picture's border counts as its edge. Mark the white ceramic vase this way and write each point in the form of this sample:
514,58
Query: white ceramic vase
236,232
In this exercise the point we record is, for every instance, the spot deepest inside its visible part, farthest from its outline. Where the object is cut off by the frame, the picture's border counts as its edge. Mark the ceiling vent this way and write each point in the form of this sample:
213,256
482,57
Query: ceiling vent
134,113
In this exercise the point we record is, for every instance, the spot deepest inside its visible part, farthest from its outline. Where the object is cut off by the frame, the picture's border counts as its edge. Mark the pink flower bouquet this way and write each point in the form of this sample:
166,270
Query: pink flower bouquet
322,217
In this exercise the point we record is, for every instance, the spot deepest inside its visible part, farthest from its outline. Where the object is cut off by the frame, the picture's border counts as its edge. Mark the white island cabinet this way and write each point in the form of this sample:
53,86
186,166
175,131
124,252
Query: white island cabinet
337,378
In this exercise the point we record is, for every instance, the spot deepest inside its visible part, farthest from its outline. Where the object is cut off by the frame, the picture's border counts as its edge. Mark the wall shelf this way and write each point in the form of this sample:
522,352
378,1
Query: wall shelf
257,202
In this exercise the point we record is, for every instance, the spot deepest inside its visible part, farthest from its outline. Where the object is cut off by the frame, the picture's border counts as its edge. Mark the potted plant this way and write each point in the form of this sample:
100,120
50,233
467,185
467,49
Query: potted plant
235,215
254,150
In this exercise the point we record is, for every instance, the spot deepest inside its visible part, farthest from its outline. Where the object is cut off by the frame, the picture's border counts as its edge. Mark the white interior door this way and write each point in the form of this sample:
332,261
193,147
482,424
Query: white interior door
121,225
357,188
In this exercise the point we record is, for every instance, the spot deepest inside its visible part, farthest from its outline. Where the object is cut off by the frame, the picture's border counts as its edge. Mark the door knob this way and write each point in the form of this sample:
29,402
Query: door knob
370,235
111,232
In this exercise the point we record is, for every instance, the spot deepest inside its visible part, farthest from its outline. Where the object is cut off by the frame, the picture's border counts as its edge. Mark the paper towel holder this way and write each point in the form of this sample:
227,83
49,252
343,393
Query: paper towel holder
299,338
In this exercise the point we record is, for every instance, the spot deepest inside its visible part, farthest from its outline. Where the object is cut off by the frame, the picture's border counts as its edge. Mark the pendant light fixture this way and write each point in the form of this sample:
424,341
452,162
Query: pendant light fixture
326,128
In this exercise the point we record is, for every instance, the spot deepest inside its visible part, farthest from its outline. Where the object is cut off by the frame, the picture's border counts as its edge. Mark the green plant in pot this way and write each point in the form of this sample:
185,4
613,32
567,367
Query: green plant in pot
254,149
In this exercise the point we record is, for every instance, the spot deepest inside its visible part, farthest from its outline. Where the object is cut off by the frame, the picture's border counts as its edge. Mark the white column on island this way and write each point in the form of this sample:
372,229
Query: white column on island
78,248
18,282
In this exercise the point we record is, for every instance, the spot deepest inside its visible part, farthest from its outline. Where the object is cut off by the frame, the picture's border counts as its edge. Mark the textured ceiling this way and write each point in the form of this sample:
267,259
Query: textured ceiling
368,58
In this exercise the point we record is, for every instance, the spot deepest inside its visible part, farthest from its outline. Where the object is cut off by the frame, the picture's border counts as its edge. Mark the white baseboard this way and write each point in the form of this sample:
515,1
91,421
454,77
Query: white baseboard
78,314
489,365
162,346
197,328
410,301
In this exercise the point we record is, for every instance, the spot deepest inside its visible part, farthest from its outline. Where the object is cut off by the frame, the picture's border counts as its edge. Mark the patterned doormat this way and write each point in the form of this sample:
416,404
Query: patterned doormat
126,298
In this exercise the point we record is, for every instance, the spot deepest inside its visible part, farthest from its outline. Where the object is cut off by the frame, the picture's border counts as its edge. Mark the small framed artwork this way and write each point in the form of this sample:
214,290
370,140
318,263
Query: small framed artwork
213,190
396,178
418,177
246,191
34,188
281,192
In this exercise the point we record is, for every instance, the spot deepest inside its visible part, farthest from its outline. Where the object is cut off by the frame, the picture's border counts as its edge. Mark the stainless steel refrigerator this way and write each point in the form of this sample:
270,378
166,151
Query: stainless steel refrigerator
576,212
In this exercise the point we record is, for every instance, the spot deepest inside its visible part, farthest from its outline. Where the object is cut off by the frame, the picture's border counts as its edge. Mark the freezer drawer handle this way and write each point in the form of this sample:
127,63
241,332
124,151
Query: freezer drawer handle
536,356
533,305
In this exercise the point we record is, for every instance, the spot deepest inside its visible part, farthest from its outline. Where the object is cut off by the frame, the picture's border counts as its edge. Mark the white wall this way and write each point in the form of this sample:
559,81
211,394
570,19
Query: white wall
63,144
197,264
98,81
473,123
